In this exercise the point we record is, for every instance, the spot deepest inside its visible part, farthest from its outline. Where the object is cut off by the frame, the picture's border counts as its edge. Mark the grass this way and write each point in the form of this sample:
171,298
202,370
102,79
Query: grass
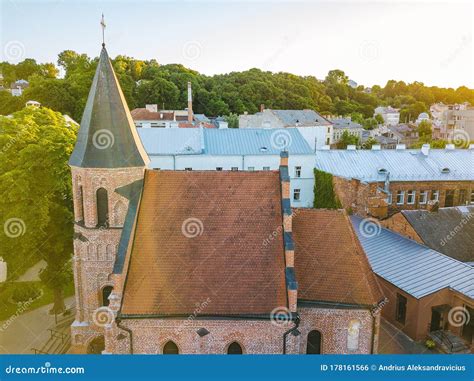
8,309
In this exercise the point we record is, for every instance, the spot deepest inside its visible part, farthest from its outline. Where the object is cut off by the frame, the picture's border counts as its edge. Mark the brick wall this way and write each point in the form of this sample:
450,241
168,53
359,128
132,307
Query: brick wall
95,248
368,198
254,336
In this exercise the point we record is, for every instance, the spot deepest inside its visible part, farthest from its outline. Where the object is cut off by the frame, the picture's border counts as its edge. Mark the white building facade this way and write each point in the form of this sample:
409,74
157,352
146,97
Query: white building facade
234,150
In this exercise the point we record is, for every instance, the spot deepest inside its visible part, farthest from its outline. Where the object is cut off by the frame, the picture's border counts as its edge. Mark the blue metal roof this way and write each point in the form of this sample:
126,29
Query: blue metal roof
255,141
229,141
403,165
172,141
414,268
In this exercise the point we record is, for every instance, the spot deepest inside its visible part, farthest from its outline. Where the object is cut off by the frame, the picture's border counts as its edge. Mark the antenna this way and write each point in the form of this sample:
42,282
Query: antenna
102,24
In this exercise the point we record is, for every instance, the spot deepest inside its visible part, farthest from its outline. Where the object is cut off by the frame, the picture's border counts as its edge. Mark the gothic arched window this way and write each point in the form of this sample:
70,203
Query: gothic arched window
234,349
102,207
313,347
170,348
106,291
81,204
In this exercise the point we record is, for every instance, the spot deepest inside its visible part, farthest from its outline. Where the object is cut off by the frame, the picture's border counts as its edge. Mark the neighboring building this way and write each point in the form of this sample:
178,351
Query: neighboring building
18,87
422,117
429,294
447,230
352,83
317,130
383,141
151,117
447,118
234,149
380,182
461,121
346,124
391,116
34,104
169,262
403,133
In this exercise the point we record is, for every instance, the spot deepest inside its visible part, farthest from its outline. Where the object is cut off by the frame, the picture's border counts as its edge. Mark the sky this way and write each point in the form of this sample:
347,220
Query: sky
372,42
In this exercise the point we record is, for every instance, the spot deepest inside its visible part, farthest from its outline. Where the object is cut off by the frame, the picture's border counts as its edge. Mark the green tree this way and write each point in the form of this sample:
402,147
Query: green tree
347,139
35,194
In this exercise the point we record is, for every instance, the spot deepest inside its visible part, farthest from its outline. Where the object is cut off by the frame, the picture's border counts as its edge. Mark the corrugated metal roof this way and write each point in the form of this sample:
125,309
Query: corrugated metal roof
302,117
172,141
255,141
403,165
232,141
412,267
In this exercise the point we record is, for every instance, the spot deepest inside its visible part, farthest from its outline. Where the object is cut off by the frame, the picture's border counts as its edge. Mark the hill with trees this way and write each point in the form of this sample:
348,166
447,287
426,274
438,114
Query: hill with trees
223,94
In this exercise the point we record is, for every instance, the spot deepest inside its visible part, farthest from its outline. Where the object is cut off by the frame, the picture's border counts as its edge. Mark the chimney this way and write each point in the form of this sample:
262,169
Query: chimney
450,146
351,147
425,149
376,147
401,146
291,284
190,103
262,107
432,206
152,108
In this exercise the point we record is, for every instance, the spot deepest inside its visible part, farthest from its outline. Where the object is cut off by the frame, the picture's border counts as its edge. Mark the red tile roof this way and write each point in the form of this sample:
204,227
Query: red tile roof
226,264
144,114
330,264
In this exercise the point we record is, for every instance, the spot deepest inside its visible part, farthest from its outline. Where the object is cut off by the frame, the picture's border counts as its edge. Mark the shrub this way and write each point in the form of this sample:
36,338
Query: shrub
24,292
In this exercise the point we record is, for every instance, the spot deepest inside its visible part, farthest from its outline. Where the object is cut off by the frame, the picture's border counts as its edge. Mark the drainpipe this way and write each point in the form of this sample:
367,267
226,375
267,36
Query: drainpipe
294,328
118,321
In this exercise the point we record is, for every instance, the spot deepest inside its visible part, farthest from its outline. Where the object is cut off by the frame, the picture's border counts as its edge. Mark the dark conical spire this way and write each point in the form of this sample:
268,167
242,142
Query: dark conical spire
107,137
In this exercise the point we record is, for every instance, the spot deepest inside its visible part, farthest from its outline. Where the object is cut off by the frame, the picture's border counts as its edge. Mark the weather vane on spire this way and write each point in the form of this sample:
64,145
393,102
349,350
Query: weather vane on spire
102,24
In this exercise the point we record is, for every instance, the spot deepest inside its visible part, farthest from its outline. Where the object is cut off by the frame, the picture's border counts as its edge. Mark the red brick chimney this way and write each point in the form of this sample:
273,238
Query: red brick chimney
190,104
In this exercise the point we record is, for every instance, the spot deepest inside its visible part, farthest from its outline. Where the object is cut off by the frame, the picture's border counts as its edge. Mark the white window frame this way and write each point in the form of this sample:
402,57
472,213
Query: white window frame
298,172
423,197
411,193
435,192
389,199
402,194
297,191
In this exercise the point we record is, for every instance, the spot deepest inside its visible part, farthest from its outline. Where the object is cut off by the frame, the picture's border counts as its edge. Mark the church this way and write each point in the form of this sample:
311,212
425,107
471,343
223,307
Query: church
205,262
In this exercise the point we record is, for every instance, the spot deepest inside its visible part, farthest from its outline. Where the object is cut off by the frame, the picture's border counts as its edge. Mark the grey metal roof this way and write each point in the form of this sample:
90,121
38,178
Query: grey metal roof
449,230
344,123
107,137
403,165
172,141
228,141
414,268
302,117
255,141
